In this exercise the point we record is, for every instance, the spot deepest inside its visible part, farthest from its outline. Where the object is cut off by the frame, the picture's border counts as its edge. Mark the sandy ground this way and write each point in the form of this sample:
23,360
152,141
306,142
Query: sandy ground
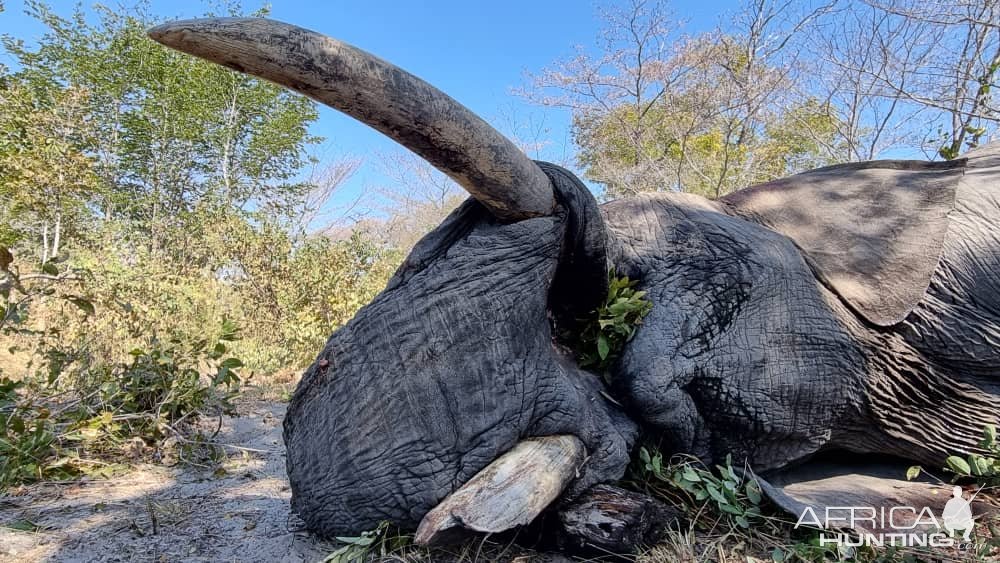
157,513
165,514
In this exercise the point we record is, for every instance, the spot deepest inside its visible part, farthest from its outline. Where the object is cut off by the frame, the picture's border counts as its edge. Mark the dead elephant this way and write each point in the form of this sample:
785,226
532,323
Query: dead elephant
855,307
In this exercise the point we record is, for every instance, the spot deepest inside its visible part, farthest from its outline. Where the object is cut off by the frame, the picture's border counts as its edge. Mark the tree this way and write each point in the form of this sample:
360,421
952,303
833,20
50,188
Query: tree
172,132
956,82
415,198
188,180
46,181
907,76
660,112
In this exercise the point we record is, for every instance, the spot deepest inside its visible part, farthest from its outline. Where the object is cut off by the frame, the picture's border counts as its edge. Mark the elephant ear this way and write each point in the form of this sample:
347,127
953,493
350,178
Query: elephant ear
871,231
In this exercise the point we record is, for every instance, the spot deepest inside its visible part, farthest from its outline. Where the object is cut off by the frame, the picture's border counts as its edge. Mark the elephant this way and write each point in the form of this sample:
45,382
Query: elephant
849,308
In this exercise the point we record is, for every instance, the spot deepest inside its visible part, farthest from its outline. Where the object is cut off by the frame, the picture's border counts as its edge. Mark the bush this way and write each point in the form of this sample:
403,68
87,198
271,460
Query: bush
77,422
116,344
72,412
26,438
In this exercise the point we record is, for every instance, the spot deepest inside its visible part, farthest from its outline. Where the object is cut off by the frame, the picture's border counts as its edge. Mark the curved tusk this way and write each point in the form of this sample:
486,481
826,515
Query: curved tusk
389,99
511,491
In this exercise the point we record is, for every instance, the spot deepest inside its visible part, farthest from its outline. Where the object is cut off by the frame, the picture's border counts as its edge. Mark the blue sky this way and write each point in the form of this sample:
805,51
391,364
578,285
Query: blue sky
476,51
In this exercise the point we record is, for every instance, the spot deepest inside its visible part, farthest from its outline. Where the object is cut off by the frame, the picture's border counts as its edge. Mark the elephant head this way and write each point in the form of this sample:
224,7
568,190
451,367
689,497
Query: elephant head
843,308
454,362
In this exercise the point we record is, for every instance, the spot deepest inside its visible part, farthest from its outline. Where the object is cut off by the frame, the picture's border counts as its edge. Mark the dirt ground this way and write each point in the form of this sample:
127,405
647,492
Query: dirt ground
156,513
236,513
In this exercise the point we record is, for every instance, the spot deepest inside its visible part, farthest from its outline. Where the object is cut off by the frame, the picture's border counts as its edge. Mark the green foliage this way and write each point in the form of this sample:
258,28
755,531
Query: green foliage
603,335
699,134
293,293
685,482
984,469
167,381
176,185
46,179
79,405
170,130
46,428
53,283
383,541
26,438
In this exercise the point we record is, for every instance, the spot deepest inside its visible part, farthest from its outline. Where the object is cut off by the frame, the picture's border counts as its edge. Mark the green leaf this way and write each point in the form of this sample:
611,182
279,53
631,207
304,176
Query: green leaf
23,525
691,475
913,472
753,492
602,347
727,507
989,435
50,268
958,465
716,494
365,540
980,466
230,331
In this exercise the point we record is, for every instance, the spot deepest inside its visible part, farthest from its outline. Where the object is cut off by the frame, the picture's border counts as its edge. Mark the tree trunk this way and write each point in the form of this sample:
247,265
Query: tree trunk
45,242
58,234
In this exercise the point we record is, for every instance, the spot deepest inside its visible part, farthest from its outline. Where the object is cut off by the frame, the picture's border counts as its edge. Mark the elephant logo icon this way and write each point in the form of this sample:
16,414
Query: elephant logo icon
957,514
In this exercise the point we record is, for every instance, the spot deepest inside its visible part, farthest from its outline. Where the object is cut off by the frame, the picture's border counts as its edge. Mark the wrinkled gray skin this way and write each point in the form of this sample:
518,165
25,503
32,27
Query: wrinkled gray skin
787,319
752,349
450,366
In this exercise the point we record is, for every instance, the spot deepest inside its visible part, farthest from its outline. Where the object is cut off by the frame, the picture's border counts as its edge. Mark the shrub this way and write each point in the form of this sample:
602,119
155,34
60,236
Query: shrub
71,417
26,437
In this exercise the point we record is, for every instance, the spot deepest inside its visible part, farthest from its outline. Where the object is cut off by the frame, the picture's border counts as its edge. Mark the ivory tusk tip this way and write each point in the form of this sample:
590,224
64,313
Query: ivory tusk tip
175,34
160,32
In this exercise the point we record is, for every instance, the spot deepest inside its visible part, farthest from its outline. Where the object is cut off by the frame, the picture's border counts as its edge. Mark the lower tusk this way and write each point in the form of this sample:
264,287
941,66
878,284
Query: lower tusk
511,491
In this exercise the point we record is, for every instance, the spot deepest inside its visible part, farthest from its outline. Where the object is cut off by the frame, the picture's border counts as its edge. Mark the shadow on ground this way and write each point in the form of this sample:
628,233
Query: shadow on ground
157,513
